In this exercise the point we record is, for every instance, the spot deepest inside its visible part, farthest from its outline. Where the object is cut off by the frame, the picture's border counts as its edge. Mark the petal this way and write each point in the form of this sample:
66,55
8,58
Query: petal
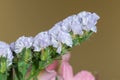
65,38
41,40
66,71
84,75
46,75
66,57
59,48
21,43
52,66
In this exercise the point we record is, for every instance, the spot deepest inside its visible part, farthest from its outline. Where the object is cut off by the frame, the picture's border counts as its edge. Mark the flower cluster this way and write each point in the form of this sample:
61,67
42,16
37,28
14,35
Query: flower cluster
45,47
60,33
21,43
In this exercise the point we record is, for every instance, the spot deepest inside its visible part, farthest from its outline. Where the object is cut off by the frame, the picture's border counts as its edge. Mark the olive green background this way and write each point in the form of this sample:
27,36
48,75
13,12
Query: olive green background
100,54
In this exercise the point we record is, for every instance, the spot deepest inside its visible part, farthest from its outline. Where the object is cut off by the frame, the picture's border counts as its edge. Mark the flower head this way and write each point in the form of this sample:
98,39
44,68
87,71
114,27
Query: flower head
69,24
65,38
59,34
41,41
21,43
77,23
54,32
88,20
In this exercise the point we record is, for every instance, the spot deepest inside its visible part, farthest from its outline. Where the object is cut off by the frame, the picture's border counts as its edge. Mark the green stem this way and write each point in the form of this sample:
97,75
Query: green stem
17,73
3,76
10,75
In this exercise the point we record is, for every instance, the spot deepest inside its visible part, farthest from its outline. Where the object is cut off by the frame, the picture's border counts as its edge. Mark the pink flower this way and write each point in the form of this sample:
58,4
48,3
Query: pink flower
84,75
65,71
44,75
49,73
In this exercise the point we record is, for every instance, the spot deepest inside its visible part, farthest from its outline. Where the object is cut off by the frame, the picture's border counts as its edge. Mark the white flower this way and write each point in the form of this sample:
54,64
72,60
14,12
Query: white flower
88,20
6,52
21,43
41,41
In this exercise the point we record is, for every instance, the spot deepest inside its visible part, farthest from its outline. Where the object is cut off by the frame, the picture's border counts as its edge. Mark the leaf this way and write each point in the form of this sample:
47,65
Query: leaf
3,65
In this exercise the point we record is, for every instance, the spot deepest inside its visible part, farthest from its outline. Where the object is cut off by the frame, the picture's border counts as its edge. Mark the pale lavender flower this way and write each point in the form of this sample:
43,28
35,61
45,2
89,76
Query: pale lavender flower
54,31
6,52
21,43
65,38
71,23
88,20
76,25
66,23
41,41
77,29
58,36
54,42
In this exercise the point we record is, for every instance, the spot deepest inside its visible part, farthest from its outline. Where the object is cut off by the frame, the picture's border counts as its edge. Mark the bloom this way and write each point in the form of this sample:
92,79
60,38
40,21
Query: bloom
6,52
65,38
60,33
54,32
73,24
58,36
65,71
79,22
41,41
21,43
88,20
84,75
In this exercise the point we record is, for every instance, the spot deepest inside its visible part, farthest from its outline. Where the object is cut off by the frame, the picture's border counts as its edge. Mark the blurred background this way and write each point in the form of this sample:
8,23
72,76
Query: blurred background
100,54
